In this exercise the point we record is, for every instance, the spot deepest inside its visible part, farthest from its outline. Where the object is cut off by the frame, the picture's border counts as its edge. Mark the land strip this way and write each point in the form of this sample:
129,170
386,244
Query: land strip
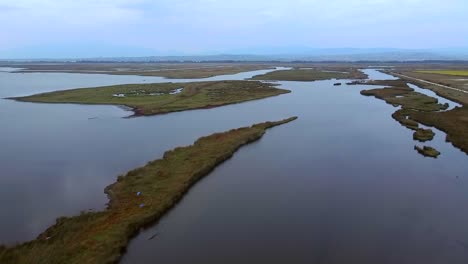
137,199
310,74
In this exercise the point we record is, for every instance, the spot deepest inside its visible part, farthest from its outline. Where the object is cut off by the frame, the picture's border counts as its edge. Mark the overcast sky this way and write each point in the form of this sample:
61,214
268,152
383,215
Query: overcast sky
86,28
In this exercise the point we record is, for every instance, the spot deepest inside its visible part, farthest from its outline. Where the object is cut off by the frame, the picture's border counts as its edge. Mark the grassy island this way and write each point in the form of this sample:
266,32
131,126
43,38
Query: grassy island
427,151
160,98
137,199
423,135
305,75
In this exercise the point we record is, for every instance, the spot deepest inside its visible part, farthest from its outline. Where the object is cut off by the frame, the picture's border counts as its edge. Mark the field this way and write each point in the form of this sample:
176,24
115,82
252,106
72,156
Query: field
446,72
160,98
453,81
137,199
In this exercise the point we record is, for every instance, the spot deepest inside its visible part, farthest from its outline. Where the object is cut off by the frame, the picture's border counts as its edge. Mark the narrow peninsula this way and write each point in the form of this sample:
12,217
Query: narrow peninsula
137,199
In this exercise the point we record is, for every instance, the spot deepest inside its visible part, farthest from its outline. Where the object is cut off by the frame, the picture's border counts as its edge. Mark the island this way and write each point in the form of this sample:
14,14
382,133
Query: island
160,98
427,151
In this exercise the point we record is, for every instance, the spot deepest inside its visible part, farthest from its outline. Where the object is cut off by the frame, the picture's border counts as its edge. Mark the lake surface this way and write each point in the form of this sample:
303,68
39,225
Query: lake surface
57,159
342,184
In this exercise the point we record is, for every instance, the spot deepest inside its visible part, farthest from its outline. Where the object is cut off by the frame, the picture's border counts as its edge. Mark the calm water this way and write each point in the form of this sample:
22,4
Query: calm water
342,184
57,159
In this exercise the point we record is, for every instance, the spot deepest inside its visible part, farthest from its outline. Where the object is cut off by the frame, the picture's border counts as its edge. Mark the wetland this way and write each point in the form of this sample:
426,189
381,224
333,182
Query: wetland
276,200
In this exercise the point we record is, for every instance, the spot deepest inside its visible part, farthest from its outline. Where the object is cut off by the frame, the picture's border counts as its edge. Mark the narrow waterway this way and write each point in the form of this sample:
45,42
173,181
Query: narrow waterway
440,99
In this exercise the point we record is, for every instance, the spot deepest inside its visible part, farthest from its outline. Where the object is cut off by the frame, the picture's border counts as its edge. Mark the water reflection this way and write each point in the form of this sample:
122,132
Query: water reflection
56,159
342,184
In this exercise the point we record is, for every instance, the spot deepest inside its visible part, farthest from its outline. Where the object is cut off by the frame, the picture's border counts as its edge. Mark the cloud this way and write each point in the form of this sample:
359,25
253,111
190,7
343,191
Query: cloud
217,25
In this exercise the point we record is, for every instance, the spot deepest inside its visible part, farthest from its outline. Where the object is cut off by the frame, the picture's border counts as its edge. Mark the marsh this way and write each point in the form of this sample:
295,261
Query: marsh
321,188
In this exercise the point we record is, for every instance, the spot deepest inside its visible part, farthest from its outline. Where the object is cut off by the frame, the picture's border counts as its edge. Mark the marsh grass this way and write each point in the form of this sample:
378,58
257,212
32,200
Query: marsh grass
298,74
411,103
423,135
101,237
454,123
139,97
427,151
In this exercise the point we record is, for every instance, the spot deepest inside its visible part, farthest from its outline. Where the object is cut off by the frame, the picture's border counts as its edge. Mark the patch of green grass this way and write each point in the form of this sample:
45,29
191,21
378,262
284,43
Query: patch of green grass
423,135
101,237
402,117
446,72
308,75
417,101
427,151
152,99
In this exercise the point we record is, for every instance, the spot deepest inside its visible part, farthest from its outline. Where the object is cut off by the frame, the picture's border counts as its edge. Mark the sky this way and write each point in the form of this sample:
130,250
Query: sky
102,28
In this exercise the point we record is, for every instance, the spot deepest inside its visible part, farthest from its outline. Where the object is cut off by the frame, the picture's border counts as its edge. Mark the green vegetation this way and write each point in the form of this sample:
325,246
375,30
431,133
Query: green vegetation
402,117
406,98
418,108
446,72
305,75
410,102
423,135
159,98
454,123
454,81
427,151
137,199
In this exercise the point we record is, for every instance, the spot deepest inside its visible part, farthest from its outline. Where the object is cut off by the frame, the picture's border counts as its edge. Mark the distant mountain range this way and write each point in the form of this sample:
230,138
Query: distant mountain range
299,54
